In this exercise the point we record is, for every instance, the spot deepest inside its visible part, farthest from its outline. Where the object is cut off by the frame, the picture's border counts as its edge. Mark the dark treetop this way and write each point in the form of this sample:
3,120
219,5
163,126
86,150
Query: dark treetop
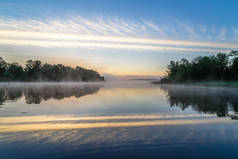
37,71
207,68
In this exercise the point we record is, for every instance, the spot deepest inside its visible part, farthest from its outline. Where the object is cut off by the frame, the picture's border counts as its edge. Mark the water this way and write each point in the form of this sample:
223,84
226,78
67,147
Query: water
117,120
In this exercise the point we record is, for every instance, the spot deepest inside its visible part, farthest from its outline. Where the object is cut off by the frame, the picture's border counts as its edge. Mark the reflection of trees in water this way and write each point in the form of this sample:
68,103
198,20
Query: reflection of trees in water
220,101
34,94
2,96
10,94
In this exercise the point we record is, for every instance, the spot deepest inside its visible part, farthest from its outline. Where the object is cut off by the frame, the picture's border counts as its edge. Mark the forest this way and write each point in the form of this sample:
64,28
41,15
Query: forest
38,71
220,67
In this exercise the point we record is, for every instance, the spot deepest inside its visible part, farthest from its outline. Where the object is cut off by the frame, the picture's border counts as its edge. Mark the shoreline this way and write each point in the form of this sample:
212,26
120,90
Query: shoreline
232,84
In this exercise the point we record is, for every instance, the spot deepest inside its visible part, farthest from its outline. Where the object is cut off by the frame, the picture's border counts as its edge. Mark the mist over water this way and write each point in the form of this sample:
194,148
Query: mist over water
116,119
211,100
221,101
34,93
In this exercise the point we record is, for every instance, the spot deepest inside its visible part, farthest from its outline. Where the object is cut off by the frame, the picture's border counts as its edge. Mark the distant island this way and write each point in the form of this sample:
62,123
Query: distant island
35,71
220,69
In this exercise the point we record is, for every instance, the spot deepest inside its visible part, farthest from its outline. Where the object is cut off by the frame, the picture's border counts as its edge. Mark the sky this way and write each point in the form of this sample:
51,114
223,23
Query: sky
116,37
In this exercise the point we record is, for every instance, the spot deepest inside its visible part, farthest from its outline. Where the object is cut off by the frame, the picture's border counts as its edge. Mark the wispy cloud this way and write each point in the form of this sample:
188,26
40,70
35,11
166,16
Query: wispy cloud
235,31
203,28
222,34
73,24
34,37
65,44
100,32
151,25
186,28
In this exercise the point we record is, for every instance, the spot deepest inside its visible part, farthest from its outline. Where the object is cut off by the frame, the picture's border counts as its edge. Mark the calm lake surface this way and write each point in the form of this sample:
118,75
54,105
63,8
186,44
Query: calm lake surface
131,119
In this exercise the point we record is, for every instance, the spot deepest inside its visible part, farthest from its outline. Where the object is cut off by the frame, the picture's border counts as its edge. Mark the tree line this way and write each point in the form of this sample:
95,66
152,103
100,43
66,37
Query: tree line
38,71
204,68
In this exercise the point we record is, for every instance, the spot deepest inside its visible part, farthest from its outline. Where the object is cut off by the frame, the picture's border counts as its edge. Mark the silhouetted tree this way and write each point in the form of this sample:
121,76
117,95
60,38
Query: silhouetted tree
15,71
234,68
36,71
219,67
33,69
3,67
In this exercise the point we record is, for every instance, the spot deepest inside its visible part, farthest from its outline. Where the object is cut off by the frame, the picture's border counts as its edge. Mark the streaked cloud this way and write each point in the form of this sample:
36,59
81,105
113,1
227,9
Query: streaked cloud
153,26
186,28
60,44
100,32
73,24
222,34
203,28
235,31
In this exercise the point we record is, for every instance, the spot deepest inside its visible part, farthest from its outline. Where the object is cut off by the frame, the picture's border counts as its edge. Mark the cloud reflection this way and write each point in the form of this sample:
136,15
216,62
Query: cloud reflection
36,123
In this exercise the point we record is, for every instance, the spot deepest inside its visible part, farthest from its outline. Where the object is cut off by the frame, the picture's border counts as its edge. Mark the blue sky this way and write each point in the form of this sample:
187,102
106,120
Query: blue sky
124,37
